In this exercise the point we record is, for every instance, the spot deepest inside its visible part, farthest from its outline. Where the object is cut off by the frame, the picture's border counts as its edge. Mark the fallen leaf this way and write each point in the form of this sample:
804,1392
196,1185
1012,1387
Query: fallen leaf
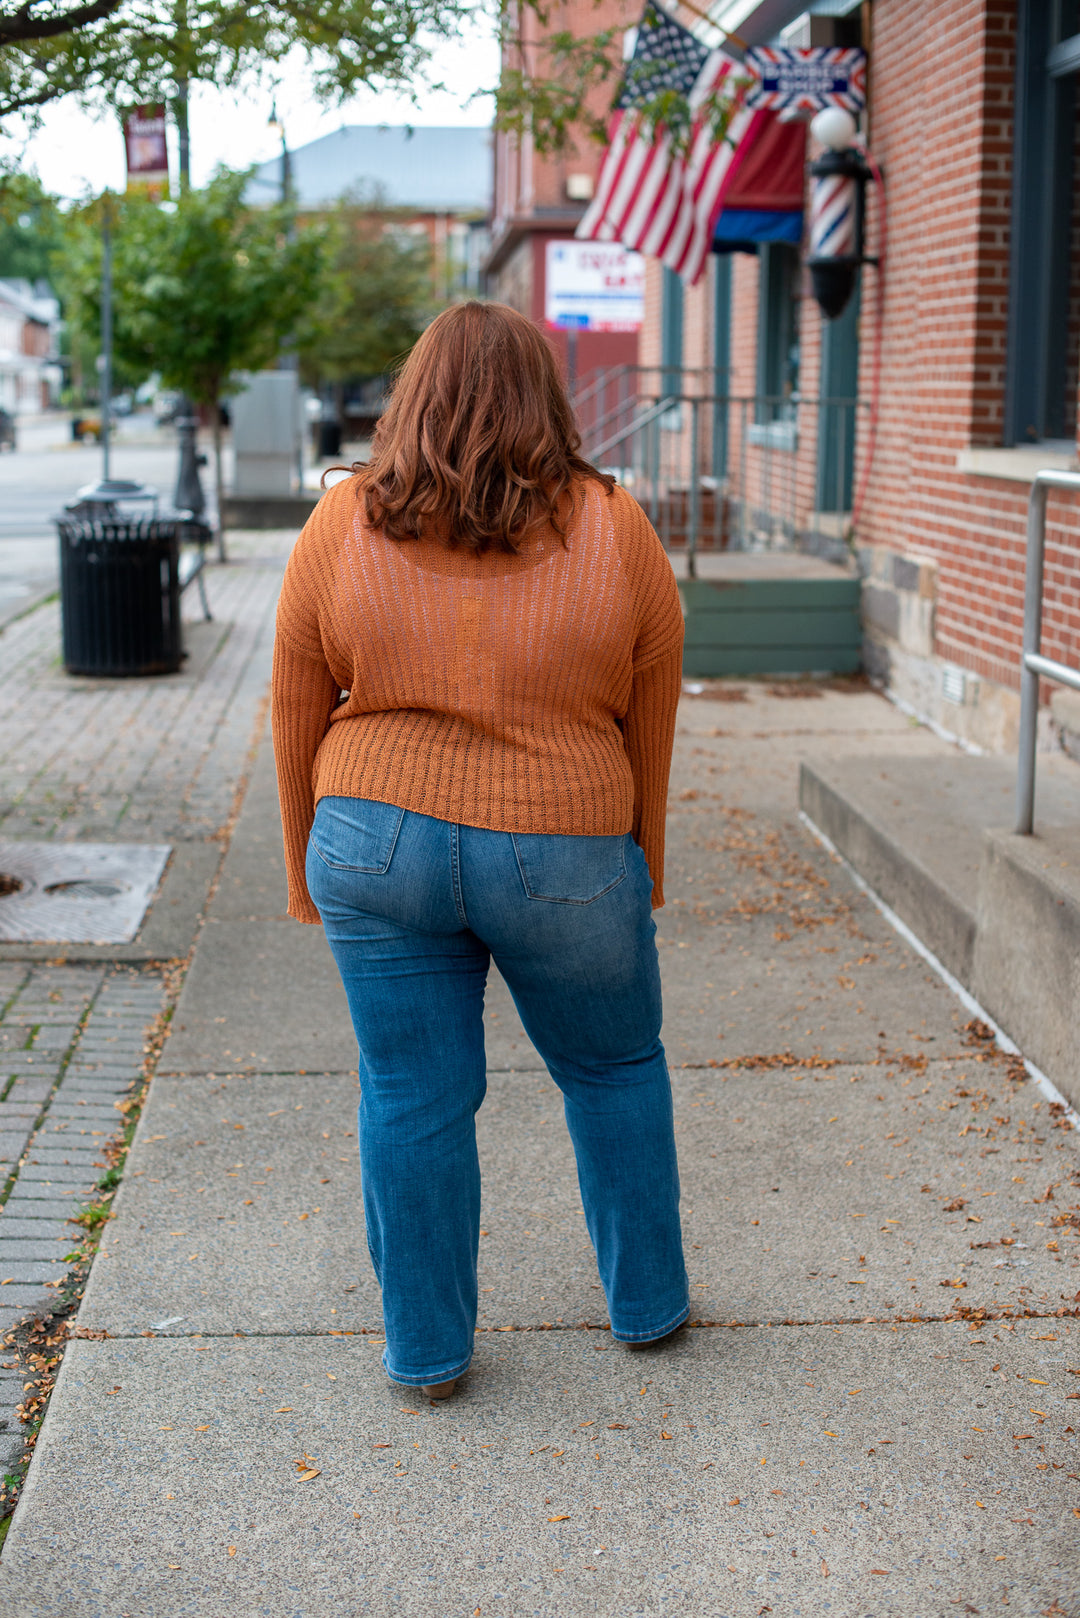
734,1502
380,1446
665,1435
306,1476
232,1550
1039,1381
824,1568
883,1570
205,1429
283,1410
617,1426
564,1518
831,1435
173,1565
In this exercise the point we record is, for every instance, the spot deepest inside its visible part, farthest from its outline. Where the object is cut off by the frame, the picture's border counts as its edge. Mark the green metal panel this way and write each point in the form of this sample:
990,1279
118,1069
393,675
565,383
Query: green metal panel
760,595
774,629
711,662
771,626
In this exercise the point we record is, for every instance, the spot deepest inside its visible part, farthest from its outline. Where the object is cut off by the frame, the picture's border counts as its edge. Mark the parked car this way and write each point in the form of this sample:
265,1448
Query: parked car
7,430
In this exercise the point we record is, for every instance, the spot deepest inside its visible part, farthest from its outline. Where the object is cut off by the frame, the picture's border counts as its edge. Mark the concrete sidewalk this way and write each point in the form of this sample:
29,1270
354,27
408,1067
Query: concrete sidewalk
871,1414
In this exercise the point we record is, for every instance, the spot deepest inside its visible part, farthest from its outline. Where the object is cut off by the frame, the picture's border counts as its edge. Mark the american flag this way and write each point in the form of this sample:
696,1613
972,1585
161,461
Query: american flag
655,195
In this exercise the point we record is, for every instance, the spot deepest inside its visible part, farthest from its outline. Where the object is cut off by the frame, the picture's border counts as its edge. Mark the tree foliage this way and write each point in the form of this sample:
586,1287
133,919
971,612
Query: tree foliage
123,51
374,300
201,291
30,229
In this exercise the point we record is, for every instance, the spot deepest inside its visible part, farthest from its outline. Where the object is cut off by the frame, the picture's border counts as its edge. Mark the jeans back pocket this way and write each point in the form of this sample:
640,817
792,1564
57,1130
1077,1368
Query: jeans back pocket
569,870
356,834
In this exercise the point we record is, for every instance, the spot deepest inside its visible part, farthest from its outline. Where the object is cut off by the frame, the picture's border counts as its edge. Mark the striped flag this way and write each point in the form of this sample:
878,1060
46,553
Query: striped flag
653,195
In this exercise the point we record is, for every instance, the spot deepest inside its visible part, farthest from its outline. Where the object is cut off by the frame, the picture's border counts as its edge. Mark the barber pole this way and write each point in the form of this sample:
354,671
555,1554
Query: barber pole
839,178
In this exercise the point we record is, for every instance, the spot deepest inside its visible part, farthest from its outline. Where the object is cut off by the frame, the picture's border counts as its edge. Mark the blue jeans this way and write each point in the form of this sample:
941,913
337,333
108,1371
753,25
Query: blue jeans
414,910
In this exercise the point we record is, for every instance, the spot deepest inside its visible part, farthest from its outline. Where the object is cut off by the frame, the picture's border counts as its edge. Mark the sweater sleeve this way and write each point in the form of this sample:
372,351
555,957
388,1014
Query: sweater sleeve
649,732
649,726
304,694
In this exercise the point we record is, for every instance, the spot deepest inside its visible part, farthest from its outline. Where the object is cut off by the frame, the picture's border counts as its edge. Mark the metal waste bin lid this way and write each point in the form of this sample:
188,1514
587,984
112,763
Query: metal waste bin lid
111,490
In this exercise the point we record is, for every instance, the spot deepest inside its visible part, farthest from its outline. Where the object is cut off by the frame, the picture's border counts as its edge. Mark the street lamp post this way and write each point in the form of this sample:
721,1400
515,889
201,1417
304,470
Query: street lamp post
287,360
105,362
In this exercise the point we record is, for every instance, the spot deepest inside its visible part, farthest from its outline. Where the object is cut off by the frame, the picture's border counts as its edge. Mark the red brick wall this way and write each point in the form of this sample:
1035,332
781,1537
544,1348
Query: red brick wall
941,127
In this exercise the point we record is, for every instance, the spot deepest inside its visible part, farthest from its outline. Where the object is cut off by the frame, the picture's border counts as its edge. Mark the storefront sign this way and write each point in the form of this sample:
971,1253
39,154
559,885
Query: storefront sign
807,81
593,286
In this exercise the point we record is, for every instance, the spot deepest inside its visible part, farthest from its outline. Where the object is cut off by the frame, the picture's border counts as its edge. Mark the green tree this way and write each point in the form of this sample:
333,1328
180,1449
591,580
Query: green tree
121,51
202,290
29,229
375,299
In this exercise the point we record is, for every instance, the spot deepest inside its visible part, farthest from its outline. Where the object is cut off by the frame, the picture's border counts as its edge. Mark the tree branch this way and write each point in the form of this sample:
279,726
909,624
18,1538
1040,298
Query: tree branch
20,27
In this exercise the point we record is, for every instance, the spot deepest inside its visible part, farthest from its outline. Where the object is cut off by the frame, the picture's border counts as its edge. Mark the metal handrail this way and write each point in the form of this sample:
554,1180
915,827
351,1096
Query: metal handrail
1032,663
664,403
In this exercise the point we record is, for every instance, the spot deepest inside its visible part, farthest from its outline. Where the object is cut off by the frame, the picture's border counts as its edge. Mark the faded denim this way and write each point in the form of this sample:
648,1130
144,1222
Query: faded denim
414,910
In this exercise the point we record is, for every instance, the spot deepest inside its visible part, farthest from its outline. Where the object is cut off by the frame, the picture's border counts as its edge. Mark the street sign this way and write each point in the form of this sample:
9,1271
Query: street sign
593,286
806,81
147,151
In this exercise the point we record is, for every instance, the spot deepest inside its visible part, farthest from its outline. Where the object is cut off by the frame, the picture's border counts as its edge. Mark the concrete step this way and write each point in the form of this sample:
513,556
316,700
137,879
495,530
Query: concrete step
1001,912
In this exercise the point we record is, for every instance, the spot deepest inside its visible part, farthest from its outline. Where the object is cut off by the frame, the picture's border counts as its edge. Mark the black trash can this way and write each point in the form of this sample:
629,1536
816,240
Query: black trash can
120,594
329,439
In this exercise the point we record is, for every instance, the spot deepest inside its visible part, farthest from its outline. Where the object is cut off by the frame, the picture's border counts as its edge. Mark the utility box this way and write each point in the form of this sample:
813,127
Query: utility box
267,434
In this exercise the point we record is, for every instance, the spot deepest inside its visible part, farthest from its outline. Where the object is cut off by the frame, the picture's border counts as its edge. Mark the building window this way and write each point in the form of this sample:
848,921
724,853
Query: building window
777,343
1041,372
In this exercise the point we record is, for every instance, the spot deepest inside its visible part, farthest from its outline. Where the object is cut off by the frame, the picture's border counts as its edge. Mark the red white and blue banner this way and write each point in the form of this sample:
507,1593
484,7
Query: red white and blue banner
806,80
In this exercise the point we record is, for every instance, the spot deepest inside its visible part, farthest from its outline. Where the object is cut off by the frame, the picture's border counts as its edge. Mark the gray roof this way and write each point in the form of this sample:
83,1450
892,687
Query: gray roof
428,169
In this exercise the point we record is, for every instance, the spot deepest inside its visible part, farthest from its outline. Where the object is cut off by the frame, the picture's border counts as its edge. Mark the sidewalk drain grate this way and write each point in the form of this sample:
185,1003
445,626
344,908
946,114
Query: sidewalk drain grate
77,893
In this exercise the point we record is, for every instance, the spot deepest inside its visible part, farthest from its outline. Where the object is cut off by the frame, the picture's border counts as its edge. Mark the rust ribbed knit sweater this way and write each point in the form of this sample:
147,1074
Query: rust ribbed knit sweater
529,693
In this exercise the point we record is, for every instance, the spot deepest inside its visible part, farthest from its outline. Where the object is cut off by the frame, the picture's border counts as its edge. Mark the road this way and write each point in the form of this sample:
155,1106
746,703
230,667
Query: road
44,474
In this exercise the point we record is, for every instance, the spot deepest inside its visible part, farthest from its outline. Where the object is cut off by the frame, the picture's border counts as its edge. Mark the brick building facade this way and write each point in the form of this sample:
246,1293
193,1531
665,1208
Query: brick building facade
973,118
540,197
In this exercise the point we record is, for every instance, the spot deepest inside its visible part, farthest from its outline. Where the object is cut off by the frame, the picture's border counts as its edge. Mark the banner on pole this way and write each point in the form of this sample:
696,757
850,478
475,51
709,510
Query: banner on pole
147,150
806,80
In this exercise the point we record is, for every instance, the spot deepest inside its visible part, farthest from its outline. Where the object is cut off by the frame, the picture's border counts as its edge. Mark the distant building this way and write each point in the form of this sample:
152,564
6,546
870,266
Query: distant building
540,197
434,180
30,373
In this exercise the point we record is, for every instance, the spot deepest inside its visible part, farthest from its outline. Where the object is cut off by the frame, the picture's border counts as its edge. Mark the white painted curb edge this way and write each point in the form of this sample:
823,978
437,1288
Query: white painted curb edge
1038,1077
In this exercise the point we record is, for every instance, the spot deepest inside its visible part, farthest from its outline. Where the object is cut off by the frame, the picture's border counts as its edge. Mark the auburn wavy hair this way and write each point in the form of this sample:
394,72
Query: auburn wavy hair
478,444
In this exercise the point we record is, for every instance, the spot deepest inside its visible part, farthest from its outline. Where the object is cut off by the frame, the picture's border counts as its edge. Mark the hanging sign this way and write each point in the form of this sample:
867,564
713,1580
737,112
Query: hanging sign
593,286
807,81
147,151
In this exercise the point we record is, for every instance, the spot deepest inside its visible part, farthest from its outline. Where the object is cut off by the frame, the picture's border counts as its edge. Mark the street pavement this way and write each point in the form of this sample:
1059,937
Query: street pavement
873,1411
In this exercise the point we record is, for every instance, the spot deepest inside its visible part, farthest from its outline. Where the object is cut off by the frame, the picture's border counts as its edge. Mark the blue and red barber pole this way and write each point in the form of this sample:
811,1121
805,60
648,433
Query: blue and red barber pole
837,209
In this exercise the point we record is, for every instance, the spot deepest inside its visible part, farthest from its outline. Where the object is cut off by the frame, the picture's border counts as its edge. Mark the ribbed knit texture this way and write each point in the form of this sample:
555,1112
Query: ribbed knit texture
529,693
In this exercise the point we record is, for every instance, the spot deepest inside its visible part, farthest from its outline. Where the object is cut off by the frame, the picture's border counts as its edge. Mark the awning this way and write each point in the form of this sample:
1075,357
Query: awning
764,202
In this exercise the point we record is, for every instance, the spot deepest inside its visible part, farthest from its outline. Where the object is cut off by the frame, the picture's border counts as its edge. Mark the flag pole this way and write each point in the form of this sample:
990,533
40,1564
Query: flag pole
704,15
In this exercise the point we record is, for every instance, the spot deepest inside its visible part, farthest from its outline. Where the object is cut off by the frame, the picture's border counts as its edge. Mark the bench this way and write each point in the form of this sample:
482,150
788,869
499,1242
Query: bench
192,563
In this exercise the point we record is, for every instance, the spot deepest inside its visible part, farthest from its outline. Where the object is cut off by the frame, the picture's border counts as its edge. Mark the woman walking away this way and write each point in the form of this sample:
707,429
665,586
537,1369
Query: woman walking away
475,677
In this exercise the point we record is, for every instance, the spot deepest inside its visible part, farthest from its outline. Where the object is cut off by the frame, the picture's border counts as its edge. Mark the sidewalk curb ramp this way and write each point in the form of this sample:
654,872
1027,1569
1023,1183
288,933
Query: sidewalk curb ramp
1001,912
